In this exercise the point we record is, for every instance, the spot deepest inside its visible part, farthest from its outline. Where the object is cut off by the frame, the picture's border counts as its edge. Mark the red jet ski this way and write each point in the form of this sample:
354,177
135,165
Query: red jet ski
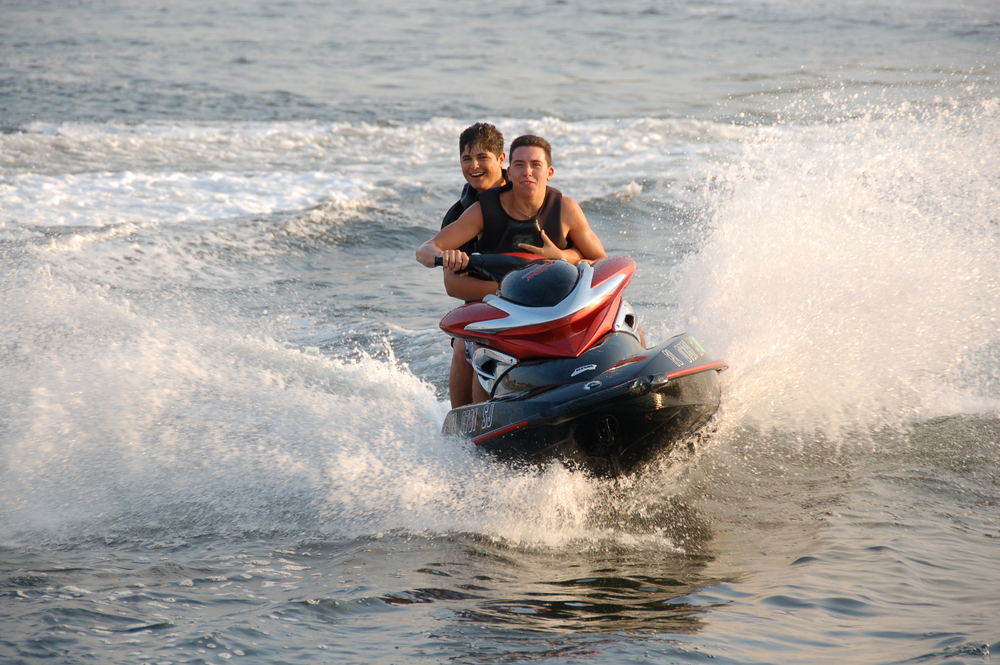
558,351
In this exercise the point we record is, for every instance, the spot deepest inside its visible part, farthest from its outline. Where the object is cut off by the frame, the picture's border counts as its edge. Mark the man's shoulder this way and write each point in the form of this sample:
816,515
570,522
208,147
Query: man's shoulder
570,211
469,195
454,212
465,200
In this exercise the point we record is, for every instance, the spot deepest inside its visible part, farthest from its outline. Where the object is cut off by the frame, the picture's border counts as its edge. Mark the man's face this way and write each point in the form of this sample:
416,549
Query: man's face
529,169
481,168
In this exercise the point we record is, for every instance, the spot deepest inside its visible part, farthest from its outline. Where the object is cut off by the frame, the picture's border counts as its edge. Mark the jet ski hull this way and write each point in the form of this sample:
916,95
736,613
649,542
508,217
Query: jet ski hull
608,411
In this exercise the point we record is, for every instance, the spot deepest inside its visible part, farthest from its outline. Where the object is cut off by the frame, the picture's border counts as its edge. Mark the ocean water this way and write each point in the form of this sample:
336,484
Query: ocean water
222,382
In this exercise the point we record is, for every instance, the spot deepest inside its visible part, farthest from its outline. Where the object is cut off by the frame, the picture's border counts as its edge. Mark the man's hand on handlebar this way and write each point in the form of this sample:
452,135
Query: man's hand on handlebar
430,255
454,259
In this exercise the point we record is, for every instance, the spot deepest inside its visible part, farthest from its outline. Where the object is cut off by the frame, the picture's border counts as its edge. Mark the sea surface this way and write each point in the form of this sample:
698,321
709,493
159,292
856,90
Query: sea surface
222,381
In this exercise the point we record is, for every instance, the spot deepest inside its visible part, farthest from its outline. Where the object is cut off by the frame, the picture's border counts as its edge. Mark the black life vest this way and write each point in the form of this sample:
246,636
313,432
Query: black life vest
502,233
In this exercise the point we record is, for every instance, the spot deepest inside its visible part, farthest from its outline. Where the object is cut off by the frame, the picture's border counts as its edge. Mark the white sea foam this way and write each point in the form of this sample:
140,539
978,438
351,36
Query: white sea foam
76,174
852,272
111,414
103,199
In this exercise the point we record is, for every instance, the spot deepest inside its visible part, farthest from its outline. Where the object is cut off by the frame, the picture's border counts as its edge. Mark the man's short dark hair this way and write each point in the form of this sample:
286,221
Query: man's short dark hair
483,134
532,140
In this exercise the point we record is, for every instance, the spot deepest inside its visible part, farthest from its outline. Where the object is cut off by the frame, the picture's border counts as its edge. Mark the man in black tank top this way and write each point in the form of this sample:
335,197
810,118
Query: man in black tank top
502,233
564,234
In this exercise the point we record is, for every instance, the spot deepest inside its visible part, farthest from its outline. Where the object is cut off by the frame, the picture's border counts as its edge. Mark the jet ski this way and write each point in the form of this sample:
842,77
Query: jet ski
559,352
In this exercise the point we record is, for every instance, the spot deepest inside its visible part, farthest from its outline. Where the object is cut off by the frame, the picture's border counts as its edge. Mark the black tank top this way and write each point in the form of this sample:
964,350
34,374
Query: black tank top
502,233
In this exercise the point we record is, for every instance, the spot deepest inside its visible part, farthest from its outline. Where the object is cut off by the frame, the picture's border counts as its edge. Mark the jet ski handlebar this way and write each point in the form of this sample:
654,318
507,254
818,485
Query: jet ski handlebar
493,267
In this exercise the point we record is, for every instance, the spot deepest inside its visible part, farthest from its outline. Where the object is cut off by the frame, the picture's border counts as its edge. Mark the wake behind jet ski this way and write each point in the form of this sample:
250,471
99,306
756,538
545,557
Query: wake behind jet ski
558,351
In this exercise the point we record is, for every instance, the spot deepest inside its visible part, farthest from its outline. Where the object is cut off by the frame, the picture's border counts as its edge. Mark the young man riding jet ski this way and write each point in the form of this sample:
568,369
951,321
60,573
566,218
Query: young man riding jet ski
525,215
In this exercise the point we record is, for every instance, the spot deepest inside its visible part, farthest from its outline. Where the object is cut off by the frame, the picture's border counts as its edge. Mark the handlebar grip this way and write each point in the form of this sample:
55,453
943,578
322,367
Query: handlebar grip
438,262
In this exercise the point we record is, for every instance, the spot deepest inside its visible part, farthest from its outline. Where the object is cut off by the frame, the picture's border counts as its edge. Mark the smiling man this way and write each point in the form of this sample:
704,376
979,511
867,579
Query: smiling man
481,155
496,223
